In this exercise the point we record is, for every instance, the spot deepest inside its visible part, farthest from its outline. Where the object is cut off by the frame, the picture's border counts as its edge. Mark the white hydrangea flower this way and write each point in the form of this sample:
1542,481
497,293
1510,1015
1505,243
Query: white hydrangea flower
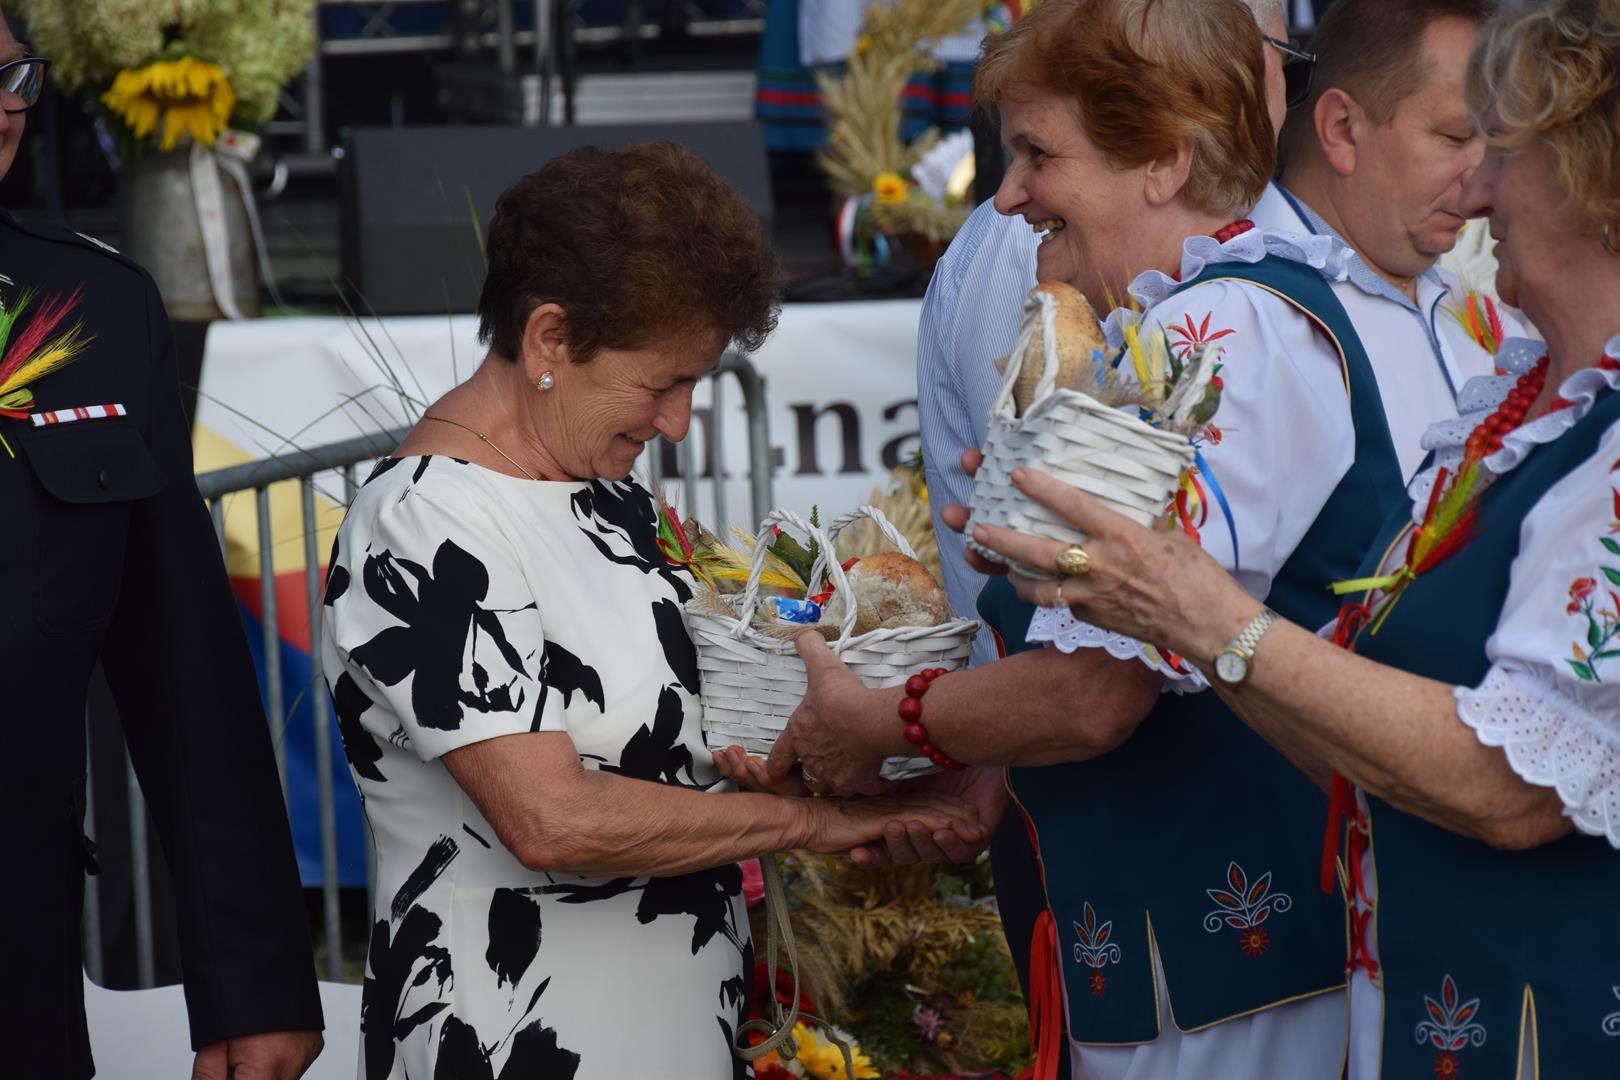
260,44
933,170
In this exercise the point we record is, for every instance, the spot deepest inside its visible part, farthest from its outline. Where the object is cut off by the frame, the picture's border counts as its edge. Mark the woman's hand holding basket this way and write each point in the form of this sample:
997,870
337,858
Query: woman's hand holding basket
842,731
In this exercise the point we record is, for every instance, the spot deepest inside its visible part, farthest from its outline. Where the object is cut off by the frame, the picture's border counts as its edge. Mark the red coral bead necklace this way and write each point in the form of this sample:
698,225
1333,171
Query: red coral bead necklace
1486,438
1237,228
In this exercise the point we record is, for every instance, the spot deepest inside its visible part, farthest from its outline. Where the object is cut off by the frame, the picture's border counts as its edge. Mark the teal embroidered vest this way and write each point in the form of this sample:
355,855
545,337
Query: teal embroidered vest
1195,831
1467,933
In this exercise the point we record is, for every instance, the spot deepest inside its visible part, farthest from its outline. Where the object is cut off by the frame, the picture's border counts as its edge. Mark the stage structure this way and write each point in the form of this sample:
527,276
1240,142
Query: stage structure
516,62
416,199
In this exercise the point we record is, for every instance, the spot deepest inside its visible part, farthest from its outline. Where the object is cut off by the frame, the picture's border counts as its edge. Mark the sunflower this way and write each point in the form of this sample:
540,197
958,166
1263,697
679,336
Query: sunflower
890,187
187,95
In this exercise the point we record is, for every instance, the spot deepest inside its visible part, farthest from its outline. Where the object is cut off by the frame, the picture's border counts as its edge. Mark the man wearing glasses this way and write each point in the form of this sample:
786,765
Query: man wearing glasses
108,556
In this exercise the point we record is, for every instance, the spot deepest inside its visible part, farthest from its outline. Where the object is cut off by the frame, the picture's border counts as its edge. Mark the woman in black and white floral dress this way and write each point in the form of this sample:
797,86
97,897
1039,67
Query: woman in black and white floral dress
557,891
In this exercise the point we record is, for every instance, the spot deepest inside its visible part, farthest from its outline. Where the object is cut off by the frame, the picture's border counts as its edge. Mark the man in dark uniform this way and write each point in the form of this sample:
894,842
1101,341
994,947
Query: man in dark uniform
107,554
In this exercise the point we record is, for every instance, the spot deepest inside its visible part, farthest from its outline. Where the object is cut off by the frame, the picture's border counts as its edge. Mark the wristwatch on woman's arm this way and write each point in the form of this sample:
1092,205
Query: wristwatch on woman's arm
1234,662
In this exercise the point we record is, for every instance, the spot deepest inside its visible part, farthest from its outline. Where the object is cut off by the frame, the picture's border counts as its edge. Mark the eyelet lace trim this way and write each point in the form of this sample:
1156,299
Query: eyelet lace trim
1551,740
1326,254
1059,627
1480,397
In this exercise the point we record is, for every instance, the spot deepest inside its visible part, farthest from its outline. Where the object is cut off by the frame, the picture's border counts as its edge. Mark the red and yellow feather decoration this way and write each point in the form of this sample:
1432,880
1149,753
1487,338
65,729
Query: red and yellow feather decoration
37,351
1479,319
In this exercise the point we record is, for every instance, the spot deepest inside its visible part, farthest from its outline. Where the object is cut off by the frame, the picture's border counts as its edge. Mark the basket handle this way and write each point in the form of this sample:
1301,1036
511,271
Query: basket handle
750,597
826,558
1015,361
890,533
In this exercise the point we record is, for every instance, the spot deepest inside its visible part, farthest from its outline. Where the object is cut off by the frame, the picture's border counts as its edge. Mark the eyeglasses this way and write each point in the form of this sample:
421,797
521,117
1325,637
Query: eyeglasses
20,83
1299,66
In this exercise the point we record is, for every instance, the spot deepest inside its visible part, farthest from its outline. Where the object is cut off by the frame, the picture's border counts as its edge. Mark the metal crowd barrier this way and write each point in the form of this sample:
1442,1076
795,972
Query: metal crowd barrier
344,458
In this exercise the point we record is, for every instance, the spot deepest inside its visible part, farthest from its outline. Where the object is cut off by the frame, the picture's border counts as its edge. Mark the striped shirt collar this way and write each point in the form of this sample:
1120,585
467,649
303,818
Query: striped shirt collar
1360,274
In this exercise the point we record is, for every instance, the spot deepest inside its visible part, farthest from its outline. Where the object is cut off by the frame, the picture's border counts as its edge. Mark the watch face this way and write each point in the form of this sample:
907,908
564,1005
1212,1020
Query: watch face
1231,667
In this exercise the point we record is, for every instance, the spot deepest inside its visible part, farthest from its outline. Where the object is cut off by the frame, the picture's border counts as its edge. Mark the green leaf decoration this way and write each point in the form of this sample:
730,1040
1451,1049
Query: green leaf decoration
1594,635
790,551
8,316
1606,654
1611,573
1610,546
1582,670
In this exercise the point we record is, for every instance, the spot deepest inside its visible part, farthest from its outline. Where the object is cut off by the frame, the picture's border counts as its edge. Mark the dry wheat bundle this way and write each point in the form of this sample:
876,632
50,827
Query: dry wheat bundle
903,500
864,103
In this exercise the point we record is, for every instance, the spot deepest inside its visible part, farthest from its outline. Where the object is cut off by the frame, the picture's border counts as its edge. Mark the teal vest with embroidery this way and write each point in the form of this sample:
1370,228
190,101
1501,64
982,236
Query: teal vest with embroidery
1467,933
1195,831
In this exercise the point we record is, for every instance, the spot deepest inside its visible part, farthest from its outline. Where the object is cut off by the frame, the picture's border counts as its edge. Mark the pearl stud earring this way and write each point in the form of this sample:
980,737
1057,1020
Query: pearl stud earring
545,382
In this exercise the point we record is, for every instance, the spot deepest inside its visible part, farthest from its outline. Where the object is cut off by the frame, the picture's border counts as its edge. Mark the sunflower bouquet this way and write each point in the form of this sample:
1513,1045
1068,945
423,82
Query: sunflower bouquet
166,69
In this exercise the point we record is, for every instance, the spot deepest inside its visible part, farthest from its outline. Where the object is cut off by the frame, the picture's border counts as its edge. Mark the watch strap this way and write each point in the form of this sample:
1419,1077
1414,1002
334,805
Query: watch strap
1249,638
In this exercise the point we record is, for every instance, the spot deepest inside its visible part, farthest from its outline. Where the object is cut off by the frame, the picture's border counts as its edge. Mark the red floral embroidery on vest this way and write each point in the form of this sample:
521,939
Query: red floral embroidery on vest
1244,906
1093,949
1450,1027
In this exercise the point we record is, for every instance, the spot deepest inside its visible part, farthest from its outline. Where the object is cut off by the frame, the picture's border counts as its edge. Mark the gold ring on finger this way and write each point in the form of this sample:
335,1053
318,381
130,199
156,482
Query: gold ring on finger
1073,562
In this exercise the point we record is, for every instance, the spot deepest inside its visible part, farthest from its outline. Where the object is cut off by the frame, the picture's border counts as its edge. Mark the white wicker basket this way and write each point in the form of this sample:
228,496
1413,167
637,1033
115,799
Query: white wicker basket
1131,467
752,682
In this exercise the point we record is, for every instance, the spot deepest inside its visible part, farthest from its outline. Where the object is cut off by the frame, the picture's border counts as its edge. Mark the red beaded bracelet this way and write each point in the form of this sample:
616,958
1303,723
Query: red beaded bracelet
910,710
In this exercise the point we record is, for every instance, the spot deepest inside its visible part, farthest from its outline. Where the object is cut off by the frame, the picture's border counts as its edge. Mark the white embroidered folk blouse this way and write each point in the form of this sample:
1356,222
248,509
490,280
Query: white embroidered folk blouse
1283,391
1302,1040
1551,698
1286,437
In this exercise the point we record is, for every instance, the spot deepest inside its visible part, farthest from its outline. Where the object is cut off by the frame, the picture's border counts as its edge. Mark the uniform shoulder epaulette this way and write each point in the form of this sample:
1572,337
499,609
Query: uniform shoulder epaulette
102,244
59,234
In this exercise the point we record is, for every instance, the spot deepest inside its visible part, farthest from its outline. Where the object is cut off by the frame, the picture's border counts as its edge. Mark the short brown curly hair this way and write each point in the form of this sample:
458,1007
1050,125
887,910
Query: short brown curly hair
1144,74
1553,73
637,246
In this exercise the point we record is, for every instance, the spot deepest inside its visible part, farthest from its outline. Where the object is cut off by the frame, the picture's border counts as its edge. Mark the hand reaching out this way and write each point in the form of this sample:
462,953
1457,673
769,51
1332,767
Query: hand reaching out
841,730
845,823
1145,583
750,774
273,1055
905,843
906,838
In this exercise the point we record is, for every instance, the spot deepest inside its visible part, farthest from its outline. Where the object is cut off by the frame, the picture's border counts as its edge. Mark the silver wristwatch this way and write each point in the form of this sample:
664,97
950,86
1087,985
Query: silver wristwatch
1233,663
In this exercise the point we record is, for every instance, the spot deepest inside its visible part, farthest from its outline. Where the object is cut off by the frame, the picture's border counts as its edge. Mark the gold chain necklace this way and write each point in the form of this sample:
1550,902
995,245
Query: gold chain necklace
485,439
